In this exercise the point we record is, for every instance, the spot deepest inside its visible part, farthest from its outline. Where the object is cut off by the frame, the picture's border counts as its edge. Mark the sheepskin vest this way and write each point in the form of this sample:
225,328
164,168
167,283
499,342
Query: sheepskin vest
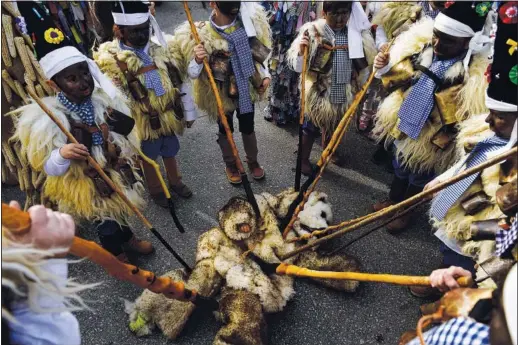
106,57
182,48
319,109
460,96
457,221
75,192
395,16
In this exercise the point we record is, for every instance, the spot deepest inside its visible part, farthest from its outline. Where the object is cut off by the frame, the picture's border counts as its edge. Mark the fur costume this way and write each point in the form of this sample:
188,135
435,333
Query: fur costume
456,223
221,257
319,109
170,124
182,49
465,94
74,192
397,15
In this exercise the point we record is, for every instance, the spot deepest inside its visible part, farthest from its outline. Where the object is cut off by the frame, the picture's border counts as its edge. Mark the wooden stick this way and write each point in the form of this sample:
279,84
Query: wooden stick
296,271
18,223
222,117
333,144
406,203
109,181
170,203
298,170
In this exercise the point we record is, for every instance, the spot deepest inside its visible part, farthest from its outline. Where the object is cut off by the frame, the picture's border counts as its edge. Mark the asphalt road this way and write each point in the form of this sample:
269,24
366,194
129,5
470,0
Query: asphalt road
375,314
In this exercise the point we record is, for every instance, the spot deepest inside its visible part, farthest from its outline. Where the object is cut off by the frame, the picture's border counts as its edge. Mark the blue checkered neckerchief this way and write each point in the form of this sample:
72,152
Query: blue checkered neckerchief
506,239
152,78
86,113
242,64
419,103
428,11
341,75
449,196
458,331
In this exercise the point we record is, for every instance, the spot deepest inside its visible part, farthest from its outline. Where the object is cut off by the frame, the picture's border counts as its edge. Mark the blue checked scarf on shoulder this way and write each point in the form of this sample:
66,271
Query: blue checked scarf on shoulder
152,78
341,66
449,196
242,64
458,331
419,103
506,239
86,112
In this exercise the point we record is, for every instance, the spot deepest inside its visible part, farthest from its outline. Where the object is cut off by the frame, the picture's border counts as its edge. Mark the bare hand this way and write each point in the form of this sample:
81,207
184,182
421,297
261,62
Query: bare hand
189,123
200,53
432,184
381,60
446,279
74,151
304,42
264,86
383,47
49,229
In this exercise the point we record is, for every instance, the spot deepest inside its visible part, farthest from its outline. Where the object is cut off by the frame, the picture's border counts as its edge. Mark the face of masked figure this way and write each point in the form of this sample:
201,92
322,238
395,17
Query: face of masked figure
76,82
136,35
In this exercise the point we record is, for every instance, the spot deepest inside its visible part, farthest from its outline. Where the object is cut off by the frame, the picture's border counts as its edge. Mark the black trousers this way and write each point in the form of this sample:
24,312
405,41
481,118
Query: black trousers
113,235
246,122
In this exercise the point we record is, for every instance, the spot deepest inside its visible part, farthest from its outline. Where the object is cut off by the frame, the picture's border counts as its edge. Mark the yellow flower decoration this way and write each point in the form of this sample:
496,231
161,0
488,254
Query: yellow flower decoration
54,36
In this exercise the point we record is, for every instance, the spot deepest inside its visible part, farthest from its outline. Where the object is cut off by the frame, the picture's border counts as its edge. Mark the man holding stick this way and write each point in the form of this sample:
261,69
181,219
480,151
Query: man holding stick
462,206
97,118
237,40
435,72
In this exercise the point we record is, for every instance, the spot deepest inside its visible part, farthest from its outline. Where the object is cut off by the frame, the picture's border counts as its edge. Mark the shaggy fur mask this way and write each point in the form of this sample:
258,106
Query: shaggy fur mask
234,214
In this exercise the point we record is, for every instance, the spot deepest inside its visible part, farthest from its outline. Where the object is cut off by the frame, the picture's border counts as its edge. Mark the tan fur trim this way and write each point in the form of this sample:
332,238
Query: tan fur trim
183,46
104,57
75,193
394,14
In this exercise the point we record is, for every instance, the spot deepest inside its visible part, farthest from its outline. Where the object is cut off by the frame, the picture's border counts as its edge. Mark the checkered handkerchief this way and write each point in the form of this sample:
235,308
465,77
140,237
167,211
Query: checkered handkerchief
447,197
506,239
341,74
459,331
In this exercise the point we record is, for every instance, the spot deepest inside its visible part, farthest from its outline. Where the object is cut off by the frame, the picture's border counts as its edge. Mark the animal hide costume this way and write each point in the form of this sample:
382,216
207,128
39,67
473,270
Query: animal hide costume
182,49
165,117
81,192
319,109
227,256
460,96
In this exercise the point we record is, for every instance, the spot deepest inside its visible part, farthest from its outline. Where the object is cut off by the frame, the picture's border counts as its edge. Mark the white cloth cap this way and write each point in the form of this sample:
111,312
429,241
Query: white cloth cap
131,19
492,103
59,59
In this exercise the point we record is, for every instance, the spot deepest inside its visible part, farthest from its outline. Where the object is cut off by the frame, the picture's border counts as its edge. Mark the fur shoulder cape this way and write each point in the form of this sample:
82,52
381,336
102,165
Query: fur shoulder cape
394,14
105,58
74,192
421,155
182,49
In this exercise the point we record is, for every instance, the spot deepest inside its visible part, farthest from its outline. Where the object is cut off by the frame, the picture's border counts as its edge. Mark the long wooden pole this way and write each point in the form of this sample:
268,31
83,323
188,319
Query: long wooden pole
170,203
298,170
109,181
296,271
18,222
406,203
330,149
222,117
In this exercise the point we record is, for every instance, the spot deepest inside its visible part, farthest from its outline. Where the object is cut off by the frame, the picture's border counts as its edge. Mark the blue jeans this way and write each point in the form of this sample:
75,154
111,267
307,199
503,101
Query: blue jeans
165,146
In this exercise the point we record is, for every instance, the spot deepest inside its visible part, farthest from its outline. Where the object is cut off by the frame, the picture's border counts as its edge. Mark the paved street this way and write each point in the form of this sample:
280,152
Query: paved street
375,314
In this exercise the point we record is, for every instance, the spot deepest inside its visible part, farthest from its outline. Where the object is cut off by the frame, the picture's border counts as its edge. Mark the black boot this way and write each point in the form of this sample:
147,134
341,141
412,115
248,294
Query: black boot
397,192
400,224
305,152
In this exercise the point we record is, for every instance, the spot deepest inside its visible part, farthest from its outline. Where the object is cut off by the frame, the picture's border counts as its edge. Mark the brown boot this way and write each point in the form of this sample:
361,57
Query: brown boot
175,179
305,152
233,175
123,258
139,246
250,145
153,185
380,205
398,225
